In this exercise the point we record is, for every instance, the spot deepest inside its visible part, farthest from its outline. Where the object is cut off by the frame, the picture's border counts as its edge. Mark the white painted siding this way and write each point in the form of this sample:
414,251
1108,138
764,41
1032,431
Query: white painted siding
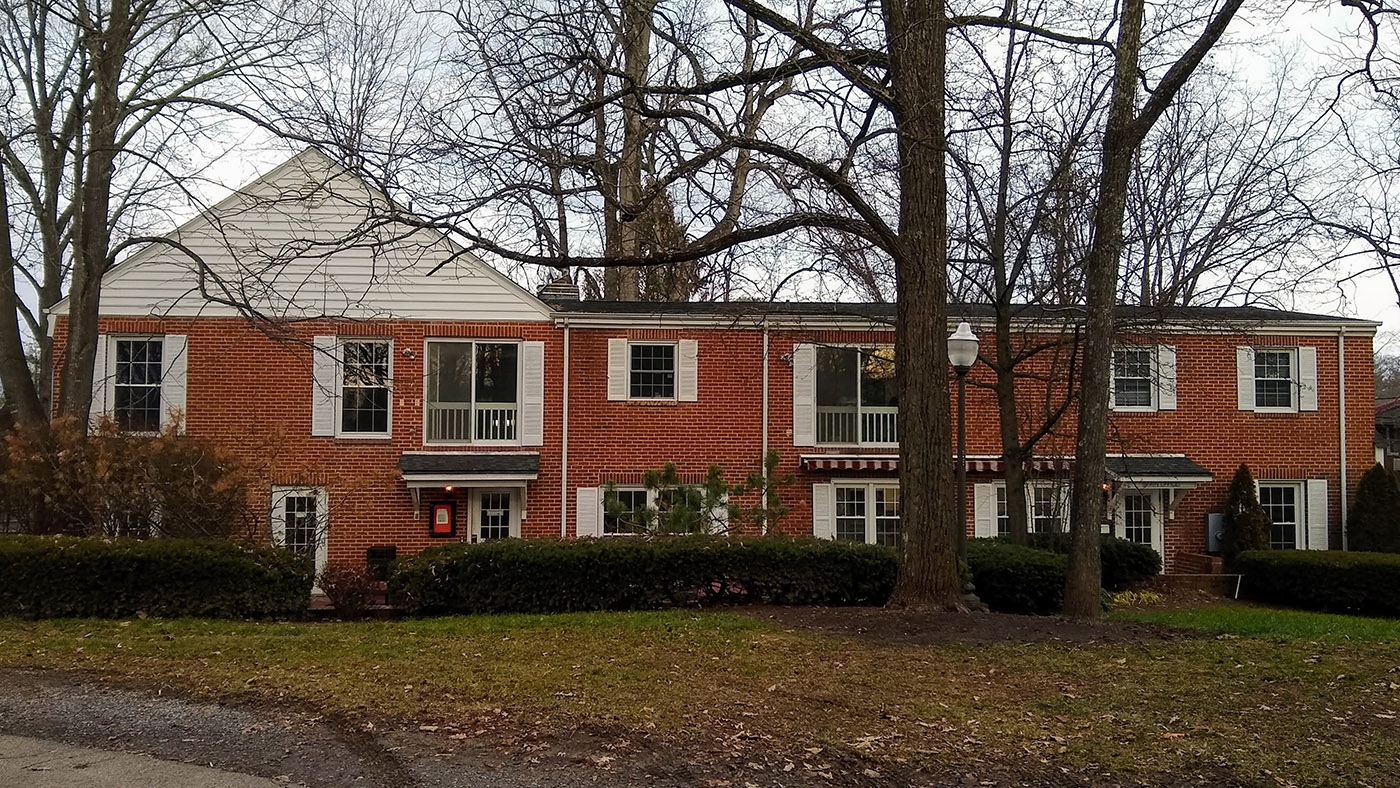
294,256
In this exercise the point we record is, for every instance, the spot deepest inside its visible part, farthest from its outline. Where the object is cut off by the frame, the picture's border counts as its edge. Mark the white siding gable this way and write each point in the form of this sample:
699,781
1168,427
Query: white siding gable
308,240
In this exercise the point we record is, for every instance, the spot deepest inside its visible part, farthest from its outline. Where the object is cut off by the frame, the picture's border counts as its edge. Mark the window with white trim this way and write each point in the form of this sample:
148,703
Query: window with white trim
1047,508
473,392
1003,516
300,521
640,510
867,513
1138,514
1049,505
625,510
856,397
364,387
1133,378
136,383
1274,378
1283,504
651,371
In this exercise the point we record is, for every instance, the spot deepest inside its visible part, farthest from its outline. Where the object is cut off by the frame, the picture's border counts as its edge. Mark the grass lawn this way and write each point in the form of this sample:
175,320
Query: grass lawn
1255,697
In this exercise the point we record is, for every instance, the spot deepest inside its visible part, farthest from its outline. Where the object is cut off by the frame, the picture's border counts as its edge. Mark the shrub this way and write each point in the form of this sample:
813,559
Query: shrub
348,587
1374,523
1121,563
1321,580
537,576
58,479
1127,599
58,576
1015,579
1246,524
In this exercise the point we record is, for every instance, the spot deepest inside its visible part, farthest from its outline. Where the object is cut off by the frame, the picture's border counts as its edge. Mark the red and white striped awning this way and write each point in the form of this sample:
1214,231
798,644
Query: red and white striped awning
869,462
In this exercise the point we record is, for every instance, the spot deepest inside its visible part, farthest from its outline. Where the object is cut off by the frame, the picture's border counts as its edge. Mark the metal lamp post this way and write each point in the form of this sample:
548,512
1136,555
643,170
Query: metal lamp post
962,354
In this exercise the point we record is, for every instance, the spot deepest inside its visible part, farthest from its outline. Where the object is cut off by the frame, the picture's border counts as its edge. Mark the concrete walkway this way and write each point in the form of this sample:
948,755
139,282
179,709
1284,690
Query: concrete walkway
35,763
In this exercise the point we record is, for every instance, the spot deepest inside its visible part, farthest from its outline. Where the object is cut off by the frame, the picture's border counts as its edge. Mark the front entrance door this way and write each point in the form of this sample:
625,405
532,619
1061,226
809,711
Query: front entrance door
495,515
1140,519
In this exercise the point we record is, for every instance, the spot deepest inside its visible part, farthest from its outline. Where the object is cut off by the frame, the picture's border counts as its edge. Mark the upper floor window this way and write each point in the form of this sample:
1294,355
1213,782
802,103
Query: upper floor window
139,381
651,371
1277,379
136,384
1144,378
856,397
473,392
364,390
1273,379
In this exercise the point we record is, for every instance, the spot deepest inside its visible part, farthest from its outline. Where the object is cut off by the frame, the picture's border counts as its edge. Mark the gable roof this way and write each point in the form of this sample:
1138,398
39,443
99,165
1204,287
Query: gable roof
310,239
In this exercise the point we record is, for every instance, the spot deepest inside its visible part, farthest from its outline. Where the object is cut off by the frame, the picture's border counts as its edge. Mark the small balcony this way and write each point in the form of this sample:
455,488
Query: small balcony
462,423
849,424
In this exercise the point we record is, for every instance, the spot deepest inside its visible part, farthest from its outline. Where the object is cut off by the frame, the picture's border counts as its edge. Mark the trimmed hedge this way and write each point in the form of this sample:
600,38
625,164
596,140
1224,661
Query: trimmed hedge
539,576
1335,582
59,576
1121,563
1013,579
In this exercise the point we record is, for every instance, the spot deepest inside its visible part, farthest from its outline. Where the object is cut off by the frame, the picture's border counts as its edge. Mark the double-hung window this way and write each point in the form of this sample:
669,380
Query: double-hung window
139,382
1273,379
136,383
364,387
856,397
1132,378
1277,379
1282,503
641,510
651,371
473,392
1047,508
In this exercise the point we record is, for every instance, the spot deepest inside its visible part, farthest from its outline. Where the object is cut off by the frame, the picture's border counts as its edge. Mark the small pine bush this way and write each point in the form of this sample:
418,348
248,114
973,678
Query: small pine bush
1374,522
1246,524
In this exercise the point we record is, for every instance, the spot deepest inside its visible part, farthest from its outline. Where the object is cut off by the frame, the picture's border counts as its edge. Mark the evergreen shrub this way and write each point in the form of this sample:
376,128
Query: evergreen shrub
1246,524
62,576
1366,583
1374,522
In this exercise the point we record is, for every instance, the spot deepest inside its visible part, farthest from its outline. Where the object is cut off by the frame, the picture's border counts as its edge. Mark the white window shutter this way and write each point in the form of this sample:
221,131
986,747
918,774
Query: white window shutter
687,371
719,516
586,513
1307,378
532,394
101,378
1317,514
1166,377
617,369
804,395
174,368
823,516
984,510
324,363
1244,377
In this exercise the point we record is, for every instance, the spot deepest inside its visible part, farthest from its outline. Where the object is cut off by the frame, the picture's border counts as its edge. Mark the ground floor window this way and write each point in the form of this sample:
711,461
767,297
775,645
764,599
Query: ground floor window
300,521
867,513
1047,507
495,515
1281,504
1137,518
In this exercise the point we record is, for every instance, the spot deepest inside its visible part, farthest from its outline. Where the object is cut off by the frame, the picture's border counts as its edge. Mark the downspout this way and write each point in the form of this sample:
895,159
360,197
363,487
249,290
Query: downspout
1342,422
564,449
763,448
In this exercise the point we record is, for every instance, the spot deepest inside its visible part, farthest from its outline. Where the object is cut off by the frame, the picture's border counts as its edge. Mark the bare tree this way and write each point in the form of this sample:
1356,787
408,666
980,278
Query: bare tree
110,108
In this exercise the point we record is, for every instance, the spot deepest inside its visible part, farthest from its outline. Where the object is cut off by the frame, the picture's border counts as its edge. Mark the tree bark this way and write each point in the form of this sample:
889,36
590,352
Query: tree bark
21,396
929,570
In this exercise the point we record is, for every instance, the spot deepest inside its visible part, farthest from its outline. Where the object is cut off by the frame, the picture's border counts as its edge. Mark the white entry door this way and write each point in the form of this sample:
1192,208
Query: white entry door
1140,518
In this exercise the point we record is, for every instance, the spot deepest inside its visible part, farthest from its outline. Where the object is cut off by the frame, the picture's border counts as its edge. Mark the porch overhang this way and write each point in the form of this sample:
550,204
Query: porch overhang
445,470
1174,474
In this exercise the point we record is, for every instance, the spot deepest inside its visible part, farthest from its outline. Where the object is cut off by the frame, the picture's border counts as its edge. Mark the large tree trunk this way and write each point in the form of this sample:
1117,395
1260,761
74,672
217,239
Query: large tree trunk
1082,587
624,284
933,533
20,394
107,48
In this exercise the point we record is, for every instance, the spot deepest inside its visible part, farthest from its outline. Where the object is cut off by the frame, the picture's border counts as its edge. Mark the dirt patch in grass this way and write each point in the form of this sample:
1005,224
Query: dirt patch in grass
918,628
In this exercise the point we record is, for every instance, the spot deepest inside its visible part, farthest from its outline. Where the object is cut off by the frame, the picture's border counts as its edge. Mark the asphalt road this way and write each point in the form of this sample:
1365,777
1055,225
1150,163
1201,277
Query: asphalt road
56,727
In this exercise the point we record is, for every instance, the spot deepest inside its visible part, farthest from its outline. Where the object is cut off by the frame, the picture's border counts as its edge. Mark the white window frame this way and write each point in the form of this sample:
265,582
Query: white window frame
860,406
1159,519
474,500
719,517
110,374
278,515
871,488
1300,509
999,496
1152,395
675,368
340,431
1294,380
519,390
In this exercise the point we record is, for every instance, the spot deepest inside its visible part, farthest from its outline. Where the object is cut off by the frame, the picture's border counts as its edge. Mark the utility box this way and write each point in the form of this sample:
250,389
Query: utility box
1215,531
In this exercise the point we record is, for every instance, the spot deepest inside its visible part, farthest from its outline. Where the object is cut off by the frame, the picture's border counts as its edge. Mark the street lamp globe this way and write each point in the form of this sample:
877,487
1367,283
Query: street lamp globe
962,348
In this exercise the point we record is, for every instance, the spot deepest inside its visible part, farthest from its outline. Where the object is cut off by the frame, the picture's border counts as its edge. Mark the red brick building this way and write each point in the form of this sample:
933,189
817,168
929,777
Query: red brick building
410,394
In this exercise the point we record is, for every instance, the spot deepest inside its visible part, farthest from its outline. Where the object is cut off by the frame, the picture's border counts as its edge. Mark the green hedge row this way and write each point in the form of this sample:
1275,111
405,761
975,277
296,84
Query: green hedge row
1014,579
1336,582
52,577
1121,563
538,576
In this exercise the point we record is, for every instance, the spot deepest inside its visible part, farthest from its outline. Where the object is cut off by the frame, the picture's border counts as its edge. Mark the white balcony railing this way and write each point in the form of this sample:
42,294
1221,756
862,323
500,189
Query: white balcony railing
455,423
839,424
